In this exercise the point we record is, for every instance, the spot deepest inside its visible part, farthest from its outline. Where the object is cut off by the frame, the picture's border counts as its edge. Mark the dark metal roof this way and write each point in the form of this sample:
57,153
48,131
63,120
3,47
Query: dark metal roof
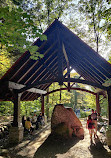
87,63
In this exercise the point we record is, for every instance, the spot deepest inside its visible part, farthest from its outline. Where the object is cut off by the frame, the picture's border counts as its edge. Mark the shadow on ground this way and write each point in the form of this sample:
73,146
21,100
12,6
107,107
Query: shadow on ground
54,145
98,150
12,150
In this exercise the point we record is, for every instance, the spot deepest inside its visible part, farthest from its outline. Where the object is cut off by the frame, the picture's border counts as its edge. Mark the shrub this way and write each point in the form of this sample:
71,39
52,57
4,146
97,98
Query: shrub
84,114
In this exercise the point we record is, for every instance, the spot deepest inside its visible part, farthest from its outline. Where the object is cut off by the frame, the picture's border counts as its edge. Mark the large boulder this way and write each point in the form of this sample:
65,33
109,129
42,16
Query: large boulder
64,122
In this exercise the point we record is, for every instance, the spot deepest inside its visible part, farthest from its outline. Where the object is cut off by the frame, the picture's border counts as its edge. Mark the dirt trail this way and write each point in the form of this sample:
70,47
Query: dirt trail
44,145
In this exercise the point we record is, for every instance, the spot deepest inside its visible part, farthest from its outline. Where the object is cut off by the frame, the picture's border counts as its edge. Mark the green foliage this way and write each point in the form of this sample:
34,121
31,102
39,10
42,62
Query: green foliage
55,97
6,108
110,59
90,100
28,107
17,30
34,54
49,109
22,21
46,10
107,18
89,22
107,82
96,17
84,114
108,128
104,107
5,62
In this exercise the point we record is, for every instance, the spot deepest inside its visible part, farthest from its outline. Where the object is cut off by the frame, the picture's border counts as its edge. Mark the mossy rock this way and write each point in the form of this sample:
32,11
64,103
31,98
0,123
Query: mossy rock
61,129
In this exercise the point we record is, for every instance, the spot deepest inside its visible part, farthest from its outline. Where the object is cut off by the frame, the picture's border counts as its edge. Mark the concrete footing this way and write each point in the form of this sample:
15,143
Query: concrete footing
108,136
16,135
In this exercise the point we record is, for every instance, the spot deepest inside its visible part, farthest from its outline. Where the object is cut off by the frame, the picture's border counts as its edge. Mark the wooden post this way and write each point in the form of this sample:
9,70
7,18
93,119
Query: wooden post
16,131
108,130
68,69
16,118
42,106
97,104
109,105
47,104
60,95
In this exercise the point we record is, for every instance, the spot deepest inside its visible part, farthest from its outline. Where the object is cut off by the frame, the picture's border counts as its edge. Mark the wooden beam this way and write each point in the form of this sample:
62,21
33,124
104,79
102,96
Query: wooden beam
42,106
61,89
43,73
84,64
80,70
18,71
41,66
65,54
60,60
68,67
109,105
74,83
64,80
67,72
13,85
97,103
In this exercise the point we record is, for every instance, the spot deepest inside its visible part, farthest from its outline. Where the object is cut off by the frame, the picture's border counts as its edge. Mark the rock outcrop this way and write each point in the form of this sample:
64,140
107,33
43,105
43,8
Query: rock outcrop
64,122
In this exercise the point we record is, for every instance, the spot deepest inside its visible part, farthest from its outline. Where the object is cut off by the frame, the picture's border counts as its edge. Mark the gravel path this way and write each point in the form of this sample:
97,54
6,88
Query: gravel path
44,145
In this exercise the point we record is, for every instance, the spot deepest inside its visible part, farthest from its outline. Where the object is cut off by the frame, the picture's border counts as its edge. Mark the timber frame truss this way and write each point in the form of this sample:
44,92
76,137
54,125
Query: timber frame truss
62,52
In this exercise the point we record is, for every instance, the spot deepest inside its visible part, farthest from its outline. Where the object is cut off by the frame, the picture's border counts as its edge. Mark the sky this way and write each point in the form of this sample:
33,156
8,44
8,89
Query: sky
104,50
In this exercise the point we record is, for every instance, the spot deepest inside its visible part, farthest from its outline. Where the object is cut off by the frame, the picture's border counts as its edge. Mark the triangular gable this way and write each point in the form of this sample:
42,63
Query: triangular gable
87,63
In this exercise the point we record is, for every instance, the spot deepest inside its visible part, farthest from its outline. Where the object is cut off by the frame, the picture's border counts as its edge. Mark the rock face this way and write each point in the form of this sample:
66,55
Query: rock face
64,122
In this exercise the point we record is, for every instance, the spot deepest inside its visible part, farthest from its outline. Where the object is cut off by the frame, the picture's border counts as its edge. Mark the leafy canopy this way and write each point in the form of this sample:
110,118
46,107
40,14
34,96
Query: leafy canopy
17,29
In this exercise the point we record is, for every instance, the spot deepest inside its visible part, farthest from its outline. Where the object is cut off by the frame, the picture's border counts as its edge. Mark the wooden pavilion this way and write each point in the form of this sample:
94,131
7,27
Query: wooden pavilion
29,79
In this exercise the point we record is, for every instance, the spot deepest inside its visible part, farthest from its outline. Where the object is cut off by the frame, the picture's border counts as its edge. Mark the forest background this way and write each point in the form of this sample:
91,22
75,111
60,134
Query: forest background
23,21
